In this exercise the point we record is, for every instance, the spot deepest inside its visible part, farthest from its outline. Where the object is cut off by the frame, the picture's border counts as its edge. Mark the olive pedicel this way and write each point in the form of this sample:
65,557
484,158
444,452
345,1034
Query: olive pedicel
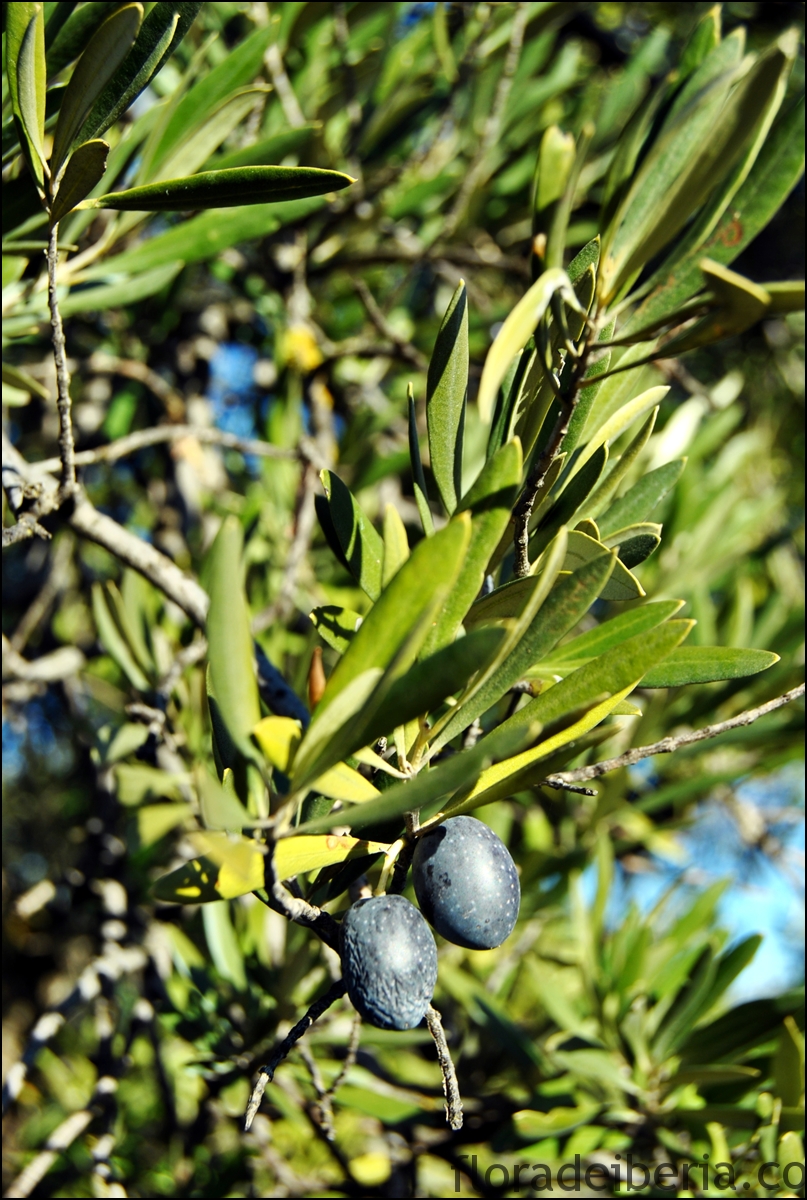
389,961
466,883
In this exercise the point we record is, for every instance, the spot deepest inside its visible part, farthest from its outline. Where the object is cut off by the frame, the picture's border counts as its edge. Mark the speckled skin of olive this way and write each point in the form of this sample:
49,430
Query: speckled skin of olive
466,883
389,961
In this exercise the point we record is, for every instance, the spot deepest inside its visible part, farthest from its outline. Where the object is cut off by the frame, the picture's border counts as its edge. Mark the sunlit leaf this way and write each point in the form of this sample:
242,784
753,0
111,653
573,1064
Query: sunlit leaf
706,664
225,189
396,544
278,738
335,625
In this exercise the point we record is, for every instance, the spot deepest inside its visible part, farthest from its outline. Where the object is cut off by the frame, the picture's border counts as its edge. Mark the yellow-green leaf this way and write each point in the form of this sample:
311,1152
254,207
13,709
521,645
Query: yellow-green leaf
619,422
220,807
239,859
278,738
446,392
343,783
307,852
396,544
155,820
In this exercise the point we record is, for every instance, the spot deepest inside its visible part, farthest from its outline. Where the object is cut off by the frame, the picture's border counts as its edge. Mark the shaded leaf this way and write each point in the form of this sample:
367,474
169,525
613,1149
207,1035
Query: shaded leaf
531,1125
635,543
114,641
362,548
154,821
446,393
220,807
137,782
564,509
225,189
418,479
599,498
105,51
222,943
639,501
335,625
85,168
164,27
620,584
705,664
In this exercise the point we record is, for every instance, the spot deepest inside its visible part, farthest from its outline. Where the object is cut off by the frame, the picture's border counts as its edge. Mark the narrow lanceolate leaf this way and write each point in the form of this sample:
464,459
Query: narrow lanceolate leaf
197,147
418,478
620,585
278,738
362,550
516,330
608,636
226,189
25,68
489,502
565,509
17,378
446,394
229,638
639,501
599,498
396,544
343,783
698,151
84,170
635,543
427,684
106,51
706,664
161,31
391,635
622,666
64,44
778,168
560,612
620,421
785,295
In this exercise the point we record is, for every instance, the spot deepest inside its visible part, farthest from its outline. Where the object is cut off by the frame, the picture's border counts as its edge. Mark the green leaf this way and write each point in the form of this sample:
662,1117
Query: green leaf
702,41
731,963
598,499
390,636
518,327
226,189
741,1028
118,295
706,664
565,508
220,806
268,150
418,478
621,420
785,295
74,33
426,684
335,625
229,638
278,738
192,883
197,147
623,663
609,635
396,544
489,502
560,612
635,543
114,641
25,70
361,546
446,394
161,31
788,1065
697,151
84,170
205,236
222,942
777,170
106,51
239,68
343,783
427,788
639,501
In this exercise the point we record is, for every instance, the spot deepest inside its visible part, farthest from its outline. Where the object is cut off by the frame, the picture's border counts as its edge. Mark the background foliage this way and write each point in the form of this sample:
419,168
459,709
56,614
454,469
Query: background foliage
303,323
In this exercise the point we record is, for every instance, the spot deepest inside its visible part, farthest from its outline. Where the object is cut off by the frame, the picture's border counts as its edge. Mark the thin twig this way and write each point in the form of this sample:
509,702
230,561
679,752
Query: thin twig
266,1073
323,1118
477,168
142,438
669,744
130,368
67,446
451,1088
50,668
285,92
408,351
40,605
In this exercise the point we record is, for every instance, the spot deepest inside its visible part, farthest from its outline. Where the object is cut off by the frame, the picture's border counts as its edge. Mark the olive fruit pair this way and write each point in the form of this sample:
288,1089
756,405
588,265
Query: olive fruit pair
467,886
